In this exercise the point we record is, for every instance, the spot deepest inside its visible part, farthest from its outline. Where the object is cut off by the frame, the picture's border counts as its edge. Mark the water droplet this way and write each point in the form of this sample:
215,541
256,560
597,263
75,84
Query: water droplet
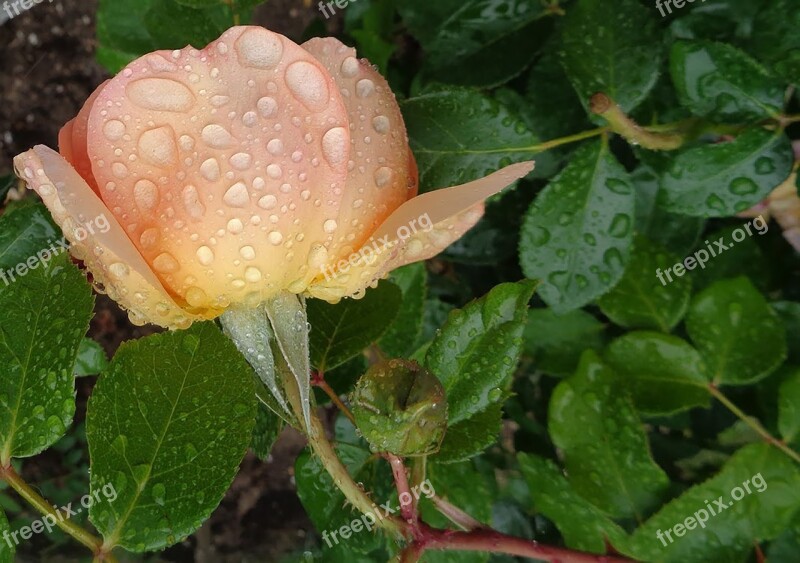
308,85
160,94
259,48
237,195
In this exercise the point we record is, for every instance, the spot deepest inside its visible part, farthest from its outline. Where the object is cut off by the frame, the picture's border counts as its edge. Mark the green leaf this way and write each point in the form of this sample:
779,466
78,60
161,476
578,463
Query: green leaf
677,233
721,82
775,40
789,313
25,232
584,526
556,342
789,407
398,340
644,298
663,373
738,334
615,51
267,428
121,33
91,358
342,331
460,135
461,484
606,453
167,425
43,317
577,234
173,26
474,355
743,256
727,178
6,548
728,535
477,42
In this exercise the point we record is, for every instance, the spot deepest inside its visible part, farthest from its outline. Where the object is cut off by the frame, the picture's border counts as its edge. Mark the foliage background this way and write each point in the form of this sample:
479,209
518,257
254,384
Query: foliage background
611,376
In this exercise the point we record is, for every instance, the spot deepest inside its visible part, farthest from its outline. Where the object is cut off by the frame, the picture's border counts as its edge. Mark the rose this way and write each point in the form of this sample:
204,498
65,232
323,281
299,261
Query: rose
252,167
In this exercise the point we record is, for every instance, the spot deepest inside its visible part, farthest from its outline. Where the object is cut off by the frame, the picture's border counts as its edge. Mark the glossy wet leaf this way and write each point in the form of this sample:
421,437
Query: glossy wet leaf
606,453
727,178
743,256
614,51
663,373
584,526
6,548
675,232
168,424
556,342
577,234
789,313
24,232
775,40
730,534
91,358
121,33
738,334
459,135
267,428
477,42
400,337
474,356
789,407
642,298
43,317
342,331
724,83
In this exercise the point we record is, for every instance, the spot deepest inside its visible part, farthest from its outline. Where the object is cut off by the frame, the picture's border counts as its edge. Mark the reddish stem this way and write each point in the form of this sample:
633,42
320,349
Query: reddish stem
488,540
409,509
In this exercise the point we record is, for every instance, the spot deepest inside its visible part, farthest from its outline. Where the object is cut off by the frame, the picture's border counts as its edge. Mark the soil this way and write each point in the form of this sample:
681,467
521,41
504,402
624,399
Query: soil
47,71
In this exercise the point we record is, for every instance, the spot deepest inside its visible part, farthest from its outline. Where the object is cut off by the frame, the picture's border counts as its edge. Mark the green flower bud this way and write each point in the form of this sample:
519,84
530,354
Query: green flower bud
400,408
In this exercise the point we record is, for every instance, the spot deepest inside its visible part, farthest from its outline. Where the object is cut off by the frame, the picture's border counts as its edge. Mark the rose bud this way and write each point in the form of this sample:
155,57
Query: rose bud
252,167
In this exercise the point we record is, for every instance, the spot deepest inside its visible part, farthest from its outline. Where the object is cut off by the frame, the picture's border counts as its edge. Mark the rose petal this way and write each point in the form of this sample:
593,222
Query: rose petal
76,151
406,236
383,173
219,164
110,256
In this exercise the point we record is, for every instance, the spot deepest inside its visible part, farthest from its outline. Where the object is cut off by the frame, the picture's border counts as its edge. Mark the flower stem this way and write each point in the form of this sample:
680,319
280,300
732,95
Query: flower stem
542,147
321,446
752,423
33,498
318,380
490,541
623,125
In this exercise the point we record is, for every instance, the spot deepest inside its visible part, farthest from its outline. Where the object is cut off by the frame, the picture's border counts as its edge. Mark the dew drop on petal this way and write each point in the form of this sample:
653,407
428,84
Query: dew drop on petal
114,130
241,161
267,202
237,195
334,145
235,226
350,67
383,176
267,106
308,85
160,94
191,201
330,226
217,136
166,263
205,255
210,170
259,48
145,194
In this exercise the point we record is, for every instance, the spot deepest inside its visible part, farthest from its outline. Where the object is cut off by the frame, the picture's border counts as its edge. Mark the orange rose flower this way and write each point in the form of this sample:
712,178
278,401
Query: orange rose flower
231,174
